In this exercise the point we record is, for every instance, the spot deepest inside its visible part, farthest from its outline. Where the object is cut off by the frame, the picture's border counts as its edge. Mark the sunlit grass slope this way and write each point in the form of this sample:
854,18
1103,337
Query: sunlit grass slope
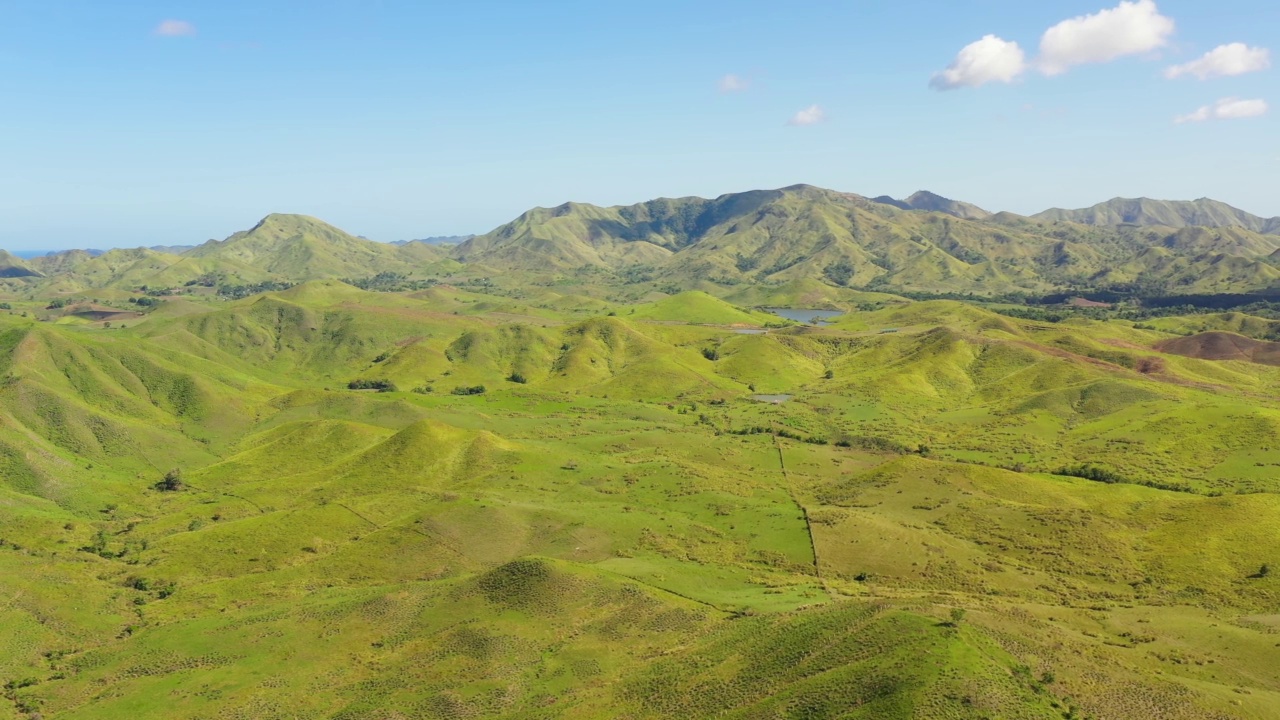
543,510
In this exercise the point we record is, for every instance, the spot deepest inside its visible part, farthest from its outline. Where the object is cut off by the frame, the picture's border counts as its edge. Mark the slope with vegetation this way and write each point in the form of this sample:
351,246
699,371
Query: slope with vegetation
575,494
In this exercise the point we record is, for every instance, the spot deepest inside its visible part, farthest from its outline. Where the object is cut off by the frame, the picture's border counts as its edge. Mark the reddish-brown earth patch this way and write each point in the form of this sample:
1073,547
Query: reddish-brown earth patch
1223,346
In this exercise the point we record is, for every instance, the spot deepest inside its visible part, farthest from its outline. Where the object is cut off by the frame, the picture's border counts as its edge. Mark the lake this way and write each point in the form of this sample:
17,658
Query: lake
808,317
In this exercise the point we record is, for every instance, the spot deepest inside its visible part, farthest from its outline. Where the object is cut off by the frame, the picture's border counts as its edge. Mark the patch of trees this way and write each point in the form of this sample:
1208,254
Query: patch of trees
391,282
1103,475
840,273
877,444
366,384
206,280
56,304
237,292
146,301
636,274
779,432
1095,473
469,390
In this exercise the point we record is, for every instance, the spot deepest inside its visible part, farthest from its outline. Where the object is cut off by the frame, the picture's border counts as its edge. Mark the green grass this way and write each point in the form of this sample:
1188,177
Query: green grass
622,534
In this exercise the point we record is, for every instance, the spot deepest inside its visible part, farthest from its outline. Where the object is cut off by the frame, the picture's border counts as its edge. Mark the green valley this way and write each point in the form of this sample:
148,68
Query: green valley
576,468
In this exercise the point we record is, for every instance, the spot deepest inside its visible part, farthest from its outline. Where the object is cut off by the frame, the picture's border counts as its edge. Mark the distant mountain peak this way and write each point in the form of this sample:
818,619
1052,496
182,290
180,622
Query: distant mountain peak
1143,212
933,202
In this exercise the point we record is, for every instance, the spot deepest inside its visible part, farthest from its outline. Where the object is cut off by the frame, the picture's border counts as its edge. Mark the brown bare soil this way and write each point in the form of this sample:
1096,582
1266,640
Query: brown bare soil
1223,346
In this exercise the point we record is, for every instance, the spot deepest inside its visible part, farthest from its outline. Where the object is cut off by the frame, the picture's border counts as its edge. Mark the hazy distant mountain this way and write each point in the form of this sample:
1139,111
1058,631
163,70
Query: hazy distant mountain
441,240
925,200
925,243
1167,213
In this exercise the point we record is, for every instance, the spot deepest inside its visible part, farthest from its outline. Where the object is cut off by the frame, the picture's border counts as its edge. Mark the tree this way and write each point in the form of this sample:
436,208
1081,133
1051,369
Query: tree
957,616
172,481
840,273
1264,571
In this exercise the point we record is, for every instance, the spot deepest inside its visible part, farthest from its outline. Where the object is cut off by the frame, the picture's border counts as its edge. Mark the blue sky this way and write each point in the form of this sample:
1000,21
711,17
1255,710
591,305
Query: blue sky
139,122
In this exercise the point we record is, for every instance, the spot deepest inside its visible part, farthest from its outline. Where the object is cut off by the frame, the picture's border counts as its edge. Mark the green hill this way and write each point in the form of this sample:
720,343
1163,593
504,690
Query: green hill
299,248
699,308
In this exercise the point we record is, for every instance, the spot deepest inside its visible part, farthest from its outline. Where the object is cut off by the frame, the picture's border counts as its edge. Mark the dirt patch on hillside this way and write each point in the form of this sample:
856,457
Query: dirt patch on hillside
1223,346
1086,303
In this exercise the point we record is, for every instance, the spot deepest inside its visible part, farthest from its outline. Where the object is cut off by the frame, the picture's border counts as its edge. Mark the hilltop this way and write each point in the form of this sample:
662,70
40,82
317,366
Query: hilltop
925,200
300,248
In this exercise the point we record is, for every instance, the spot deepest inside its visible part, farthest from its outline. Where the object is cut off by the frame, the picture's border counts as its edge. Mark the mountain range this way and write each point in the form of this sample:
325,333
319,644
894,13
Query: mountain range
923,243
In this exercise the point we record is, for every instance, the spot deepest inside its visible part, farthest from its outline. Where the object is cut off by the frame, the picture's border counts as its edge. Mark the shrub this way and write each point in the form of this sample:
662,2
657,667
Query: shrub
471,390
711,354
519,378
172,481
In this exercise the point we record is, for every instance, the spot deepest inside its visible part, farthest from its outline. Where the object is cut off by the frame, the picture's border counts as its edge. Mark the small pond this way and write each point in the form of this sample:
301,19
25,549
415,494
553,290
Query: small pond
808,317
775,399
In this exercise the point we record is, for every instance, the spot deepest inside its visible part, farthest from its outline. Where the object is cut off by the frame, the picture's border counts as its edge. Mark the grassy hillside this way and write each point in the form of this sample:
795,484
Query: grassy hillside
926,243
520,500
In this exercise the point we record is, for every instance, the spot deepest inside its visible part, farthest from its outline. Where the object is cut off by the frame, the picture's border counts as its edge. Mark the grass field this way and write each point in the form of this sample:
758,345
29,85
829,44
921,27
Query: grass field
568,505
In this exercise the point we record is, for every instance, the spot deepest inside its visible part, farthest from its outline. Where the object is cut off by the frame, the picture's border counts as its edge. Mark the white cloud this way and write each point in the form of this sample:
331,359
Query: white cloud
1224,61
811,115
734,83
1131,28
175,28
1226,109
988,60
